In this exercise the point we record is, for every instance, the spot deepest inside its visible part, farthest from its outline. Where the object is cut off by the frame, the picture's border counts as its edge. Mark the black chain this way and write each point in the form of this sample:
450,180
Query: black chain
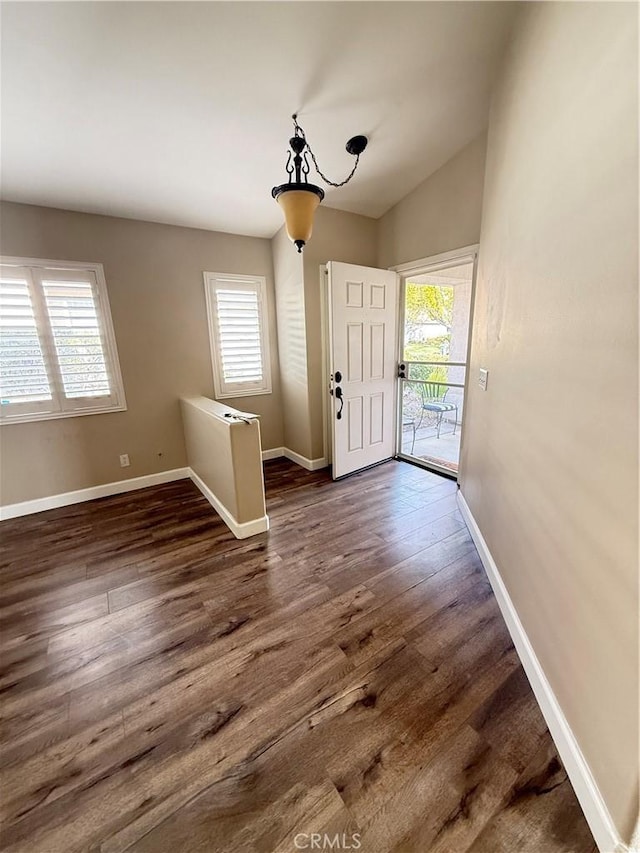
324,177
300,132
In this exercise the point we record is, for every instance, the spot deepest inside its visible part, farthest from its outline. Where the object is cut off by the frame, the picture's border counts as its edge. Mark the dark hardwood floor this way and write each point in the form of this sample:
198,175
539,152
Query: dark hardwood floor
166,687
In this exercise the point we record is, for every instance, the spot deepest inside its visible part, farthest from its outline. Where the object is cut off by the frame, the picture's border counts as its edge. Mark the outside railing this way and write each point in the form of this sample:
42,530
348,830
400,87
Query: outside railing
429,433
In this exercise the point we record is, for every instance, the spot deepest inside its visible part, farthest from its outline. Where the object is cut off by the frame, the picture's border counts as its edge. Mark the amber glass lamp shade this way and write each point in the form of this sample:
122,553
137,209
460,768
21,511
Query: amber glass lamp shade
298,202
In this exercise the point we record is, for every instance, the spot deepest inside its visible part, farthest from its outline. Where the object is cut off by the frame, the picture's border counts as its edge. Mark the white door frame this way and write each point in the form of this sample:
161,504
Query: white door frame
324,336
466,254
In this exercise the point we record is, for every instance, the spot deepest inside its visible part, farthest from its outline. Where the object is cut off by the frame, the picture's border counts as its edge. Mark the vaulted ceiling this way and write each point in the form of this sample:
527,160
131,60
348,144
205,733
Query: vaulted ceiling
180,112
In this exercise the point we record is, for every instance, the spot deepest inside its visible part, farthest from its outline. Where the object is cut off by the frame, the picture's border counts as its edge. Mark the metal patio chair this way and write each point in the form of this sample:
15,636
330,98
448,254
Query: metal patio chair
410,422
434,400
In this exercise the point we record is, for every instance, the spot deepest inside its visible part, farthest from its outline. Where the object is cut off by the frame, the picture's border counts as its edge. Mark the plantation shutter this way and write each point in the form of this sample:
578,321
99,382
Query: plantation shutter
75,327
57,348
237,320
24,381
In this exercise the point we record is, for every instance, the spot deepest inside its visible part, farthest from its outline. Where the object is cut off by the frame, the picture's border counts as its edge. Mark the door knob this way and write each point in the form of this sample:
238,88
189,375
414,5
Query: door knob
338,393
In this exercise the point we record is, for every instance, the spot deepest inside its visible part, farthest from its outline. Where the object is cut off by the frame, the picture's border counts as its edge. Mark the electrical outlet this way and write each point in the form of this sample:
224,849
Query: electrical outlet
124,460
483,379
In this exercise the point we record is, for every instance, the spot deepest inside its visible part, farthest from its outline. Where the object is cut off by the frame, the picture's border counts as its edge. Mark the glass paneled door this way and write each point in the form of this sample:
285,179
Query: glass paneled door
436,318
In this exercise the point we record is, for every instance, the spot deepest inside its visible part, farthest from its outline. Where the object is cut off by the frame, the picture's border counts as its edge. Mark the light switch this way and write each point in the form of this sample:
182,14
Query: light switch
483,378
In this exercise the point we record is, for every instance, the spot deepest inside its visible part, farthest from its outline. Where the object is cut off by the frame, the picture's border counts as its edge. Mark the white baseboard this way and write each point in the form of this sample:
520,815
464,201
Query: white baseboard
272,453
241,530
298,458
82,495
309,464
580,776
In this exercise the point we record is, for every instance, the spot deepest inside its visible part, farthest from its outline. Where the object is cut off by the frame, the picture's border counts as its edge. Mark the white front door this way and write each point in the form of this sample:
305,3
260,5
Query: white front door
363,306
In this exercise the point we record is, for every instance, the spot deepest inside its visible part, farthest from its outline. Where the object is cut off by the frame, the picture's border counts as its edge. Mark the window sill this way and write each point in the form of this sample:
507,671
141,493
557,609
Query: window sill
54,416
237,395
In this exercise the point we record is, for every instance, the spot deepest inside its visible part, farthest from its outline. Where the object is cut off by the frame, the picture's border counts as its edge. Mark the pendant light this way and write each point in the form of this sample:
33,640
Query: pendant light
298,198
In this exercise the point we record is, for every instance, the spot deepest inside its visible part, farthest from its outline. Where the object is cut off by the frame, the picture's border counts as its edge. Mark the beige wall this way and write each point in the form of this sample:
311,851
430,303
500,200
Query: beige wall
226,456
550,469
337,236
292,343
154,280
441,214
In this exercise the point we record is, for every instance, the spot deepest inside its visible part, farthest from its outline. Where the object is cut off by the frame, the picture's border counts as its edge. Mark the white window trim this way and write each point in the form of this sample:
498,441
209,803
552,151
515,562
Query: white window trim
102,298
224,390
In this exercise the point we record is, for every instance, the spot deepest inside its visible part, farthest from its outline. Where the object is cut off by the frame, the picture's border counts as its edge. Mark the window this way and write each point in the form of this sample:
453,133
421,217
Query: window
57,349
238,331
